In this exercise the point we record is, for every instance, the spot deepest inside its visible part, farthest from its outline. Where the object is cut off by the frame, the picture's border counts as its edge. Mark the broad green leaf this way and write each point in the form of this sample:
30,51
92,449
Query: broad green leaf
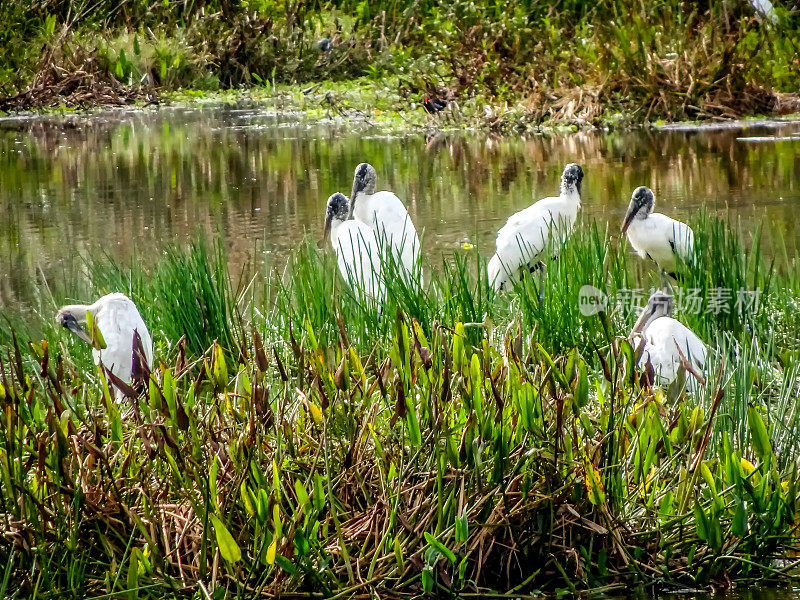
739,522
414,433
133,575
582,385
665,508
247,499
318,495
276,520
276,480
312,338
220,367
701,523
302,494
169,392
301,543
116,427
440,548
476,381
759,435
262,506
462,529
427,579
212,482
708,477
459,354
228,547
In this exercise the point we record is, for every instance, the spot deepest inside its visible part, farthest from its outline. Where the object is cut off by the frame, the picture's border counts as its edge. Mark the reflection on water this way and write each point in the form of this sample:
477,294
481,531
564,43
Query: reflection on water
127,183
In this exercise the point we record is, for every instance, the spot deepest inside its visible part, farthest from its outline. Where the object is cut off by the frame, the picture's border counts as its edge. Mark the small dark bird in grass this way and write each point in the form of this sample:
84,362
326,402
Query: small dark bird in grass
434,105
323,45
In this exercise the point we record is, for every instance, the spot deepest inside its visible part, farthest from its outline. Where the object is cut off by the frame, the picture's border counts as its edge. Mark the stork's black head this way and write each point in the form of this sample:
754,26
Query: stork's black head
364,180
68,320
338,206
642,203
338,209
659,305
572,178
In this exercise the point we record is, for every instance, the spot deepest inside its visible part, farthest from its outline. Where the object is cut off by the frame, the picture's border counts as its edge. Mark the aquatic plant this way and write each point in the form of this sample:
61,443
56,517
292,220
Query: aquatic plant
443,443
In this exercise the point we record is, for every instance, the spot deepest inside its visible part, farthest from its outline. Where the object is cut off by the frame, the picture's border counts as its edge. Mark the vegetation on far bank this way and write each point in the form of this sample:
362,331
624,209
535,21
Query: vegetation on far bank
503,65
452,441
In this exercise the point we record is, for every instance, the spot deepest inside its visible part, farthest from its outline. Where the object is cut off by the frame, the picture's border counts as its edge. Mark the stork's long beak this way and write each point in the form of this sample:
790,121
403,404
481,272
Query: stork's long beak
641,322
352,202
326,232
632,210
70,323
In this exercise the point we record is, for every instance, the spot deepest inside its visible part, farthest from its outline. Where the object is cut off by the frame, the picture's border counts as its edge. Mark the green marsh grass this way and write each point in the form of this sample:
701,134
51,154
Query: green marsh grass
299,441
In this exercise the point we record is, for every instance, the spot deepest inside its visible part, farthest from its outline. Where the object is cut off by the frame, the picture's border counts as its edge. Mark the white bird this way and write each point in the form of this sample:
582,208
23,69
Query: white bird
357,249
387,216
117,318
765,10
531,233
656,236
668,345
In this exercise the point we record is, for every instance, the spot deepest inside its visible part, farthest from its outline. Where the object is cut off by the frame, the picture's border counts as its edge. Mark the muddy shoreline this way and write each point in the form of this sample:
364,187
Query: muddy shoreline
286,109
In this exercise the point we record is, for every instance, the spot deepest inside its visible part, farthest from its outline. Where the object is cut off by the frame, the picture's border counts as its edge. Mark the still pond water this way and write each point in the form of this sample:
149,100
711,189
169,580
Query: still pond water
128,183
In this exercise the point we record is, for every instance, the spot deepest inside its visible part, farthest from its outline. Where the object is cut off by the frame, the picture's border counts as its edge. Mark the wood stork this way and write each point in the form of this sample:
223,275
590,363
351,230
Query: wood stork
656,236
667,344
387,216
117,318
356,247
532,233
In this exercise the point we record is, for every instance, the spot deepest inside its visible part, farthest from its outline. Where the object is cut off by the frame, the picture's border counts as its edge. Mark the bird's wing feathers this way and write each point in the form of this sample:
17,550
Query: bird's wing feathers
536,213
662,239
117,317
525,237
678,235
358,258
393,225
663,338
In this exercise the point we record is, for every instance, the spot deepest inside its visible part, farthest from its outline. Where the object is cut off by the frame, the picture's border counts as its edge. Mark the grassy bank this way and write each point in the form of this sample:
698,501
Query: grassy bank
500,65
293,441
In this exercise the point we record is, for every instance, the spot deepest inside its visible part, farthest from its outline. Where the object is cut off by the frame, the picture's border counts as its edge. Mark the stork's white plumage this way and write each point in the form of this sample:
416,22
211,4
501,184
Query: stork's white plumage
653,235
117,318
537,231
388,218
765,11
665,339
357,249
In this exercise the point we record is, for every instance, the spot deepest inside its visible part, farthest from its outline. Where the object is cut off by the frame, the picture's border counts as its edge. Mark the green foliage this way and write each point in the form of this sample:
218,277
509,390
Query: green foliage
329,443
579,63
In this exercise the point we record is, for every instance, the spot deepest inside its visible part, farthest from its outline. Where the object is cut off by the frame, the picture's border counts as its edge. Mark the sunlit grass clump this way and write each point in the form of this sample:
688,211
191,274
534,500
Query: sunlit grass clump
450,441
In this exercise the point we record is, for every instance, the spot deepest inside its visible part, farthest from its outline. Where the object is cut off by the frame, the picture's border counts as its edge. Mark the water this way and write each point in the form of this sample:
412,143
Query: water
127,183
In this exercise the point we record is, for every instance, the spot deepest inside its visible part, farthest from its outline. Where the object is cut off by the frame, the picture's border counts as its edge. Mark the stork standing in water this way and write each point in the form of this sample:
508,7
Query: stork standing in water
117,319
357,250
388,218
668,345
653,235
529,235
